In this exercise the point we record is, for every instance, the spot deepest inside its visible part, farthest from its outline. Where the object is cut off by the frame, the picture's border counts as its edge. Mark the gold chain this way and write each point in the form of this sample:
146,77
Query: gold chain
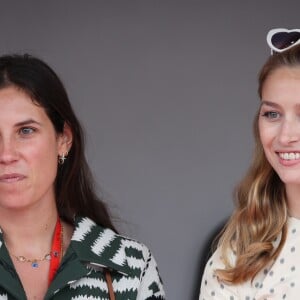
34,261
22,258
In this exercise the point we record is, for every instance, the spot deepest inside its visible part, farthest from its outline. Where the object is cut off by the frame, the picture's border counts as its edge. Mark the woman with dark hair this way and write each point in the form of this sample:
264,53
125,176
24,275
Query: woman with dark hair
257,255
57,240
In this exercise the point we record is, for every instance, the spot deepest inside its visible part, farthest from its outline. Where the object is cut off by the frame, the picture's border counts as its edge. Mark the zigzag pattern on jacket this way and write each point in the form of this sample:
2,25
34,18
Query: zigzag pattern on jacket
93,248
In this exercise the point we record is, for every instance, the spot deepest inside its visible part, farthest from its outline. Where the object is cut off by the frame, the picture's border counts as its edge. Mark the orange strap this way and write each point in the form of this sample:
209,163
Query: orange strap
109,284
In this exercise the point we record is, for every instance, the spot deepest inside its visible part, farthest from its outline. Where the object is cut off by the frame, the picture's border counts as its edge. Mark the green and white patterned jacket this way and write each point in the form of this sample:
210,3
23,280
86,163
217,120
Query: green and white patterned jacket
80,277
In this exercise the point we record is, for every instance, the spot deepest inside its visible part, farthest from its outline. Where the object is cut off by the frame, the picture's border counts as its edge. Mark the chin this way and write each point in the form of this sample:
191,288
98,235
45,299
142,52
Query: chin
290,180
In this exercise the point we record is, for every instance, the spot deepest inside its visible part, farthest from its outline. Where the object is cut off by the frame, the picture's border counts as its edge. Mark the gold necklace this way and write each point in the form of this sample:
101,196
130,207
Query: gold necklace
34,261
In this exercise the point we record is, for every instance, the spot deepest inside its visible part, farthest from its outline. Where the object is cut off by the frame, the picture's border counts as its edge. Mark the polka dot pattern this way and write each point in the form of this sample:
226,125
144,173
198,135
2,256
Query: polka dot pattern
280,280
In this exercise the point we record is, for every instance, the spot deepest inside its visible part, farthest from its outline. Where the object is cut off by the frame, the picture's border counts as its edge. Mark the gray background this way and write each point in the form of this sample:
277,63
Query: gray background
166,91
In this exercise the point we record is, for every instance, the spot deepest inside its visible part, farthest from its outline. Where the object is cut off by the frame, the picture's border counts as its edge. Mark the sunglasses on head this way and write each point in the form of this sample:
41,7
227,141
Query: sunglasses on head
281,39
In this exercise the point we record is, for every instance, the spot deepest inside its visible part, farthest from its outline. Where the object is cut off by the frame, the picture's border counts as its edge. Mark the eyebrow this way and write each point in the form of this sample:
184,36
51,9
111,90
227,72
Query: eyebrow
275,105
27,122
269,103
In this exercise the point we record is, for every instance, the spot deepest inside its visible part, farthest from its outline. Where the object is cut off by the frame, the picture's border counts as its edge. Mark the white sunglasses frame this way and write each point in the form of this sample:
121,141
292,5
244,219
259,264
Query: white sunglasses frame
277,30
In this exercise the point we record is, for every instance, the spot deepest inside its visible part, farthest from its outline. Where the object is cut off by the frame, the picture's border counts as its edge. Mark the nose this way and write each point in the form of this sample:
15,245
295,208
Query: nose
289,132
8,151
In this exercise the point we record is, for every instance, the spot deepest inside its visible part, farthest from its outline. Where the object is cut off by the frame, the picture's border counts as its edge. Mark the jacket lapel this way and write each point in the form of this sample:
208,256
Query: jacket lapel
10,281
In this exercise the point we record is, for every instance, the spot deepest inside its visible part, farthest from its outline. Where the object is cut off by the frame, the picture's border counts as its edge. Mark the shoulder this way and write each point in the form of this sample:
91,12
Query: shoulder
215,262
111,249
129,259
211,286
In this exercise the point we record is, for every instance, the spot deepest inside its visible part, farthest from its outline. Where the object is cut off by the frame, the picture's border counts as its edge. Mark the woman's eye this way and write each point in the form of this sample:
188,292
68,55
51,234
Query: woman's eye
26,130
271,115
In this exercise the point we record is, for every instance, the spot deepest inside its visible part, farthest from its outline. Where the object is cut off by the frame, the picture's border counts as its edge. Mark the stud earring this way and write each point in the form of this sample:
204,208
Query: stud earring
62,158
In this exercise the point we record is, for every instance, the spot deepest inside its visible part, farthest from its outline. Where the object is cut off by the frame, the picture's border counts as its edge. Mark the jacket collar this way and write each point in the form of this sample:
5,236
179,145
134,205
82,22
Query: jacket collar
99,247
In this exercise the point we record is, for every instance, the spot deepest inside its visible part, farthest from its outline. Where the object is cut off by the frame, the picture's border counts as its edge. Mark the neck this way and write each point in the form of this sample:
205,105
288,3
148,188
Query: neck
293,201
30,232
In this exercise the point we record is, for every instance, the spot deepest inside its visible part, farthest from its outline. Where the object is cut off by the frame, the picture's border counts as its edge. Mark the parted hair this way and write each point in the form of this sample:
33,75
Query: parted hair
261,212
74,184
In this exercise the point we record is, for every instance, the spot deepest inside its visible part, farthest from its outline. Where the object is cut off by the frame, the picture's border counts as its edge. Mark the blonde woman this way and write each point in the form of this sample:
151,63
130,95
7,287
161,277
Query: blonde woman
257,254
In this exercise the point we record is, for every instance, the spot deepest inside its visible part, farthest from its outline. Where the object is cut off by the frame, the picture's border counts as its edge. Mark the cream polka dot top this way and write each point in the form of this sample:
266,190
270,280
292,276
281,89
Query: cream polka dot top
280,280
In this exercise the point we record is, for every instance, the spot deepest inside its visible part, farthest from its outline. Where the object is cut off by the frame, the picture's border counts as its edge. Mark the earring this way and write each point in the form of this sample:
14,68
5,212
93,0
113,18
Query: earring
62,158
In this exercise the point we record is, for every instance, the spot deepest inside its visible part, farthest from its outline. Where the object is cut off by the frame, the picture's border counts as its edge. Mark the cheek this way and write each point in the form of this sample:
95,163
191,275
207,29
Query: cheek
43,154
44,163
263,136
267,134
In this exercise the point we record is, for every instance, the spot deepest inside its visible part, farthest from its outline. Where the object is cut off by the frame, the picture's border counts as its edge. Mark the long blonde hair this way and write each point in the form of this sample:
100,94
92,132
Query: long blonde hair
261,211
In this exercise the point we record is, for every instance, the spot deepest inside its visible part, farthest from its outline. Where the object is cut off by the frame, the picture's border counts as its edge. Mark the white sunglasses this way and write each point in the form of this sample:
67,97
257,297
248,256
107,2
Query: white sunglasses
281,39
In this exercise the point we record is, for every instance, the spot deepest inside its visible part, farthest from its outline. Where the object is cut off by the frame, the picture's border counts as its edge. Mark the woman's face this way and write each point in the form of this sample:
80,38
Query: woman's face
279,123
29,148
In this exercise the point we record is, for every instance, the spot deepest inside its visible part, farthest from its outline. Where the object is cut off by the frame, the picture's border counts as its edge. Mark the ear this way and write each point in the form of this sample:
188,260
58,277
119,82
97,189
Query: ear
65,140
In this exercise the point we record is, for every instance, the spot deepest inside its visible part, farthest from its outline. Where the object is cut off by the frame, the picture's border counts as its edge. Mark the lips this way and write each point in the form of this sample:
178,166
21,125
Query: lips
10,178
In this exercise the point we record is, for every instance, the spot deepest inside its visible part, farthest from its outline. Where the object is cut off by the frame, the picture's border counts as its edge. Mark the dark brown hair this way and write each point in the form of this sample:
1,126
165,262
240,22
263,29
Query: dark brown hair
74,185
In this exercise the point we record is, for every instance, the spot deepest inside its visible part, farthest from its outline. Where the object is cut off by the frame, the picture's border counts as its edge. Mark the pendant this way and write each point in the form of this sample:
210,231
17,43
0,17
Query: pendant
35,264
47,257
